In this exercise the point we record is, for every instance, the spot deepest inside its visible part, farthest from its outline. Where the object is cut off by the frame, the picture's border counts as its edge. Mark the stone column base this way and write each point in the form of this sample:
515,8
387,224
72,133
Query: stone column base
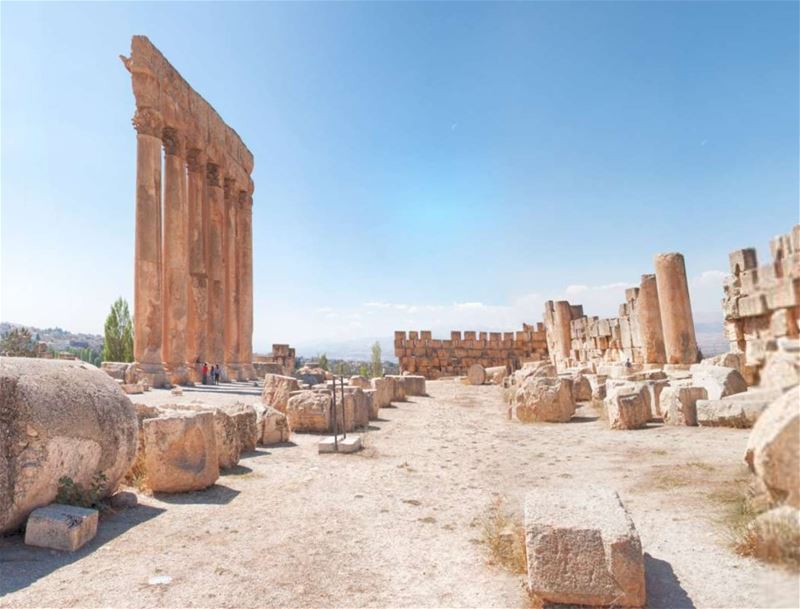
179,374
232,372
154,374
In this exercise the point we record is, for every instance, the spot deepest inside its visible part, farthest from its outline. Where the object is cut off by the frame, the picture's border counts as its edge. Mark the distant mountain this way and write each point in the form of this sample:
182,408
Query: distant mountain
57,338
358,349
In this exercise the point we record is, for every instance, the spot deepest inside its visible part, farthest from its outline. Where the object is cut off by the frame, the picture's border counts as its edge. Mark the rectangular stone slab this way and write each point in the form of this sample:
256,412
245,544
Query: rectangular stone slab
350,444
61,527
583,548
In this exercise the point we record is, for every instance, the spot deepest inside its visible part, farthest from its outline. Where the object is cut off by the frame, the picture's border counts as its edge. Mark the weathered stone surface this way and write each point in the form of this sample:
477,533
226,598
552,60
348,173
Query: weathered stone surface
226,433
544,400
246,420
476,374
772,448
277,389
58,418
372,406
398,386
360,381
679,404
122,371
415,385
272,424
627,408
718,381
383,392
581,388
680,343
781,370
583,548
132,388
61,527
309,411
777,528
740,410
496,374
180,451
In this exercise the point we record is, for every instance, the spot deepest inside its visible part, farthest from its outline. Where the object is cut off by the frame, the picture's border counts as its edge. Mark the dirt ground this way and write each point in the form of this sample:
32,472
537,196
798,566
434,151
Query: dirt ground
398,525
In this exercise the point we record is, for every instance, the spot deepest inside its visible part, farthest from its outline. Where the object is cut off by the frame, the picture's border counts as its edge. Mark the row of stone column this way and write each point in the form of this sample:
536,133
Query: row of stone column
193,296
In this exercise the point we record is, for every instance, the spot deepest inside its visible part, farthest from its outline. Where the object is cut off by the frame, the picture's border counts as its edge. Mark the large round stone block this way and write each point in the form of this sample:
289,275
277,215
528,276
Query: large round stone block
58,418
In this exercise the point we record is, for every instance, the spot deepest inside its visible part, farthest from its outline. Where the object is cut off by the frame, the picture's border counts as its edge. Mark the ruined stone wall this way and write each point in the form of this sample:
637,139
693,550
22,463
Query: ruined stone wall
193,293
762,303
654,325
283,356
420,353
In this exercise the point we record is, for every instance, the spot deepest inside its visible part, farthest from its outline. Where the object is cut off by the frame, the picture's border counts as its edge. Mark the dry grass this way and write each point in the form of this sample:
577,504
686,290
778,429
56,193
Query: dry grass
504,536
137,474
776,541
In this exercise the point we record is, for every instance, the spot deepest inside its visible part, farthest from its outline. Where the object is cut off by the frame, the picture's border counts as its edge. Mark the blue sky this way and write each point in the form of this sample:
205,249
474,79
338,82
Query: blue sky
417,165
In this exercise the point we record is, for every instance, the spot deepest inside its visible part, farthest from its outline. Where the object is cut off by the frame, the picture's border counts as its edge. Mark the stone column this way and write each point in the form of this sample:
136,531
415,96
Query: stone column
197,312
245,241
215,266
650,331
229,245
176,258
562,316
676,309
147,321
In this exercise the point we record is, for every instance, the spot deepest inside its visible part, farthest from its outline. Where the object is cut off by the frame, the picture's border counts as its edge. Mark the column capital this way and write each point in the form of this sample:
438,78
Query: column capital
195,160
147,121
173,141
212,174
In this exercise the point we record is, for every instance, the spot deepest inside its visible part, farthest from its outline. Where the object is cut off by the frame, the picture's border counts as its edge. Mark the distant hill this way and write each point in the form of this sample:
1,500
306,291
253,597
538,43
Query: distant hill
59,339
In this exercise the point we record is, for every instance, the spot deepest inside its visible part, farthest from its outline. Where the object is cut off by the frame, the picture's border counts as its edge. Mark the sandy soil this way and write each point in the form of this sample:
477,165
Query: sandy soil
399,523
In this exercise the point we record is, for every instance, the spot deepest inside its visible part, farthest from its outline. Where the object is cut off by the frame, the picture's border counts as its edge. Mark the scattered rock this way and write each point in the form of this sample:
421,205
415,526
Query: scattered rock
718,381
309,411
277,389
415,384
476,374
544,400
679,404
627,407
61,527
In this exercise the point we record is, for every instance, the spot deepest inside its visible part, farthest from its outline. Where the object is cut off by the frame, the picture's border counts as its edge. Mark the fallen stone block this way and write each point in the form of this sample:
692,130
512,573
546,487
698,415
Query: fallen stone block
360,381
740,410
628,408
383,392
132,388
476,374
496,374
398,386
226,433
277,389
309,411
679,405
246,420
272,424
781,370
718,381
415,385
372,406
180,451
772,448
544,400
60,527
583,548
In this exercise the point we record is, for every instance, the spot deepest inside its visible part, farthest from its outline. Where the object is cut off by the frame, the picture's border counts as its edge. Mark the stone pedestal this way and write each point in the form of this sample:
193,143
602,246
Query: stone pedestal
176,259
147,259
680,343
651,333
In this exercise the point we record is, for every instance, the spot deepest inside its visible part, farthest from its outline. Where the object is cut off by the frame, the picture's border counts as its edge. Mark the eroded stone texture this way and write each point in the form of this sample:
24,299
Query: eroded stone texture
627,407
309,411
61,527
542,399
383,392
58,418
415,384
277,390
679,404
676,309
718,381
583,548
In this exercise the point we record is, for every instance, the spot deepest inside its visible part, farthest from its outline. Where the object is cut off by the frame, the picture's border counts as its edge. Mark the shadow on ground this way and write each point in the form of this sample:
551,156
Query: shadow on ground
22,565
213,495
664,590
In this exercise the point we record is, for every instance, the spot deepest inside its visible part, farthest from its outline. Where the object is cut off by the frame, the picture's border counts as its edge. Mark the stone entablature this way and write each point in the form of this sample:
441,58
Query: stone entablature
193,294
420,353
650,329
762,303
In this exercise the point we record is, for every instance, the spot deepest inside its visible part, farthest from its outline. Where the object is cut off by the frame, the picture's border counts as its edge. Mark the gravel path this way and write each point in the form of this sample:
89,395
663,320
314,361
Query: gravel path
398,525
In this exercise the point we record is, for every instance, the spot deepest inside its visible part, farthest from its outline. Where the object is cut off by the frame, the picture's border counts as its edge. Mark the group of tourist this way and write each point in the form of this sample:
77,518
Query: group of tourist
210,374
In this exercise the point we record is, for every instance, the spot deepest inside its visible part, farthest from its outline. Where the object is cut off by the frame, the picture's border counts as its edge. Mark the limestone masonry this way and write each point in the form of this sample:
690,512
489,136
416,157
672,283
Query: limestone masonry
419,352
193,293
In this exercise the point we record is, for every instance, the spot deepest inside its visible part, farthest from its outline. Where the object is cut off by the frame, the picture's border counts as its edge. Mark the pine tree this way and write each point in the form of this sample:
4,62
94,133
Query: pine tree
18,343
118,341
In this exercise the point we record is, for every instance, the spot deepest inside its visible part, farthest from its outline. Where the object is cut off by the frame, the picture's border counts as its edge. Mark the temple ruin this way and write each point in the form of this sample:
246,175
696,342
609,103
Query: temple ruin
193,294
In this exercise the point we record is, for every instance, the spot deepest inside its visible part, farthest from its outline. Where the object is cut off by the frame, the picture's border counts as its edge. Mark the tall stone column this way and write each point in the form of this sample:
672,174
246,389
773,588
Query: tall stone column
650,331
176,258
147,320
562,316
215,266
680,343
197,313
245,242
229,244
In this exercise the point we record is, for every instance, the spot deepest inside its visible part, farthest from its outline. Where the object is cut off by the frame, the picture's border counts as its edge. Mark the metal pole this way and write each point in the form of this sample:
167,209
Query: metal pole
335,424
344,410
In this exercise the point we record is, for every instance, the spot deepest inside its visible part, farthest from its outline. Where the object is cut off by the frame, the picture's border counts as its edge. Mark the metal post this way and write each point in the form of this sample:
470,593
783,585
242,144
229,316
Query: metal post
344,410
335,424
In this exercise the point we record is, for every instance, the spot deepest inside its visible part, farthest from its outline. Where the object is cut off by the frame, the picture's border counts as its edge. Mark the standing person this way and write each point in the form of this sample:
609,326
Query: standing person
205,373
216,374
